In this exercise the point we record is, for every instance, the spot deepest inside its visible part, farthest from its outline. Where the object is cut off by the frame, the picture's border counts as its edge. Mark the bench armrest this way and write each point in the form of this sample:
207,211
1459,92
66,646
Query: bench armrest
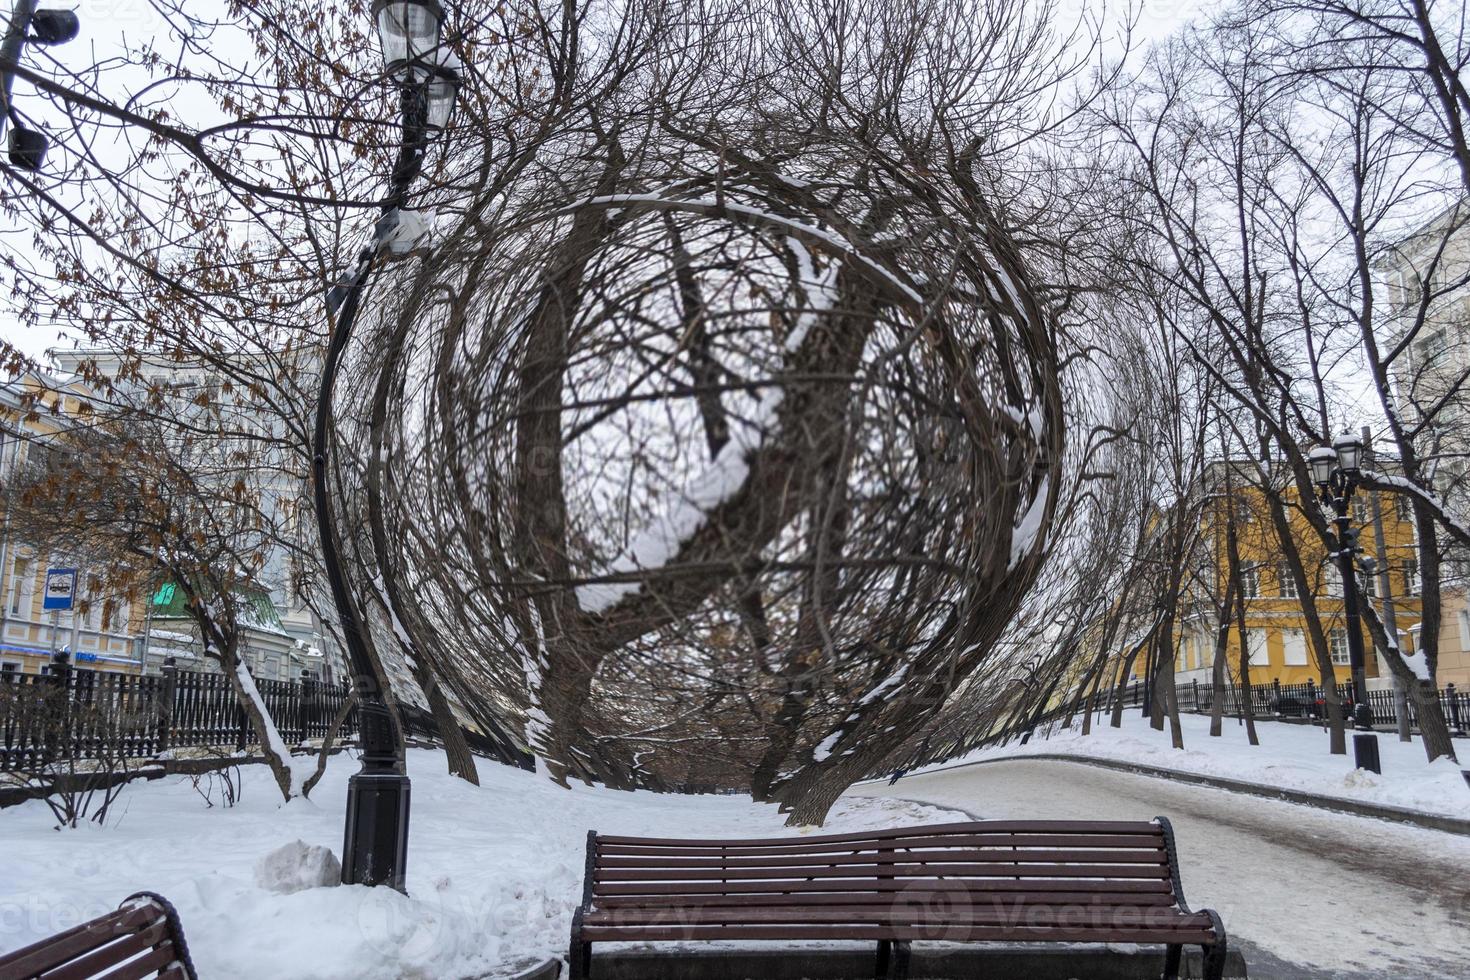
175,927
589,869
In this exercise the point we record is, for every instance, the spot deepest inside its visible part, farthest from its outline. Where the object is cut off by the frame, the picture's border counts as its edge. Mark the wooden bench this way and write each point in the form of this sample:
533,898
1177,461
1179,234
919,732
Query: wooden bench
996,880
142,938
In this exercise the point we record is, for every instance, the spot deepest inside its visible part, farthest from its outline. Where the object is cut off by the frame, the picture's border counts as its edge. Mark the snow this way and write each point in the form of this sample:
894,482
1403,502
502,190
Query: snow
1289,757
1023,535
494,871
297,866
661,539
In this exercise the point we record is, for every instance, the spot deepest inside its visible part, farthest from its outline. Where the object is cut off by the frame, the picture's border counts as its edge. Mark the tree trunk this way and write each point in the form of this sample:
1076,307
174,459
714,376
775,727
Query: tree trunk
1321,652
1124,672
328,742
456,748
1432,724
1247,707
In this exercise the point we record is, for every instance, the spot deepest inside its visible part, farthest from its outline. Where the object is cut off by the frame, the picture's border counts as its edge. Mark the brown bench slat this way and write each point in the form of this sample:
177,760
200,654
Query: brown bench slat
145,966
875,885
965,856
905,933
900,871
113,953
988,827
1153,841
997,898
1102,916
49,953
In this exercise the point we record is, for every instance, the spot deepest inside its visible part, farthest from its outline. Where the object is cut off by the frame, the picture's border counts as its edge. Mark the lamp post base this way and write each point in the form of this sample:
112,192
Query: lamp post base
1365,752
375,845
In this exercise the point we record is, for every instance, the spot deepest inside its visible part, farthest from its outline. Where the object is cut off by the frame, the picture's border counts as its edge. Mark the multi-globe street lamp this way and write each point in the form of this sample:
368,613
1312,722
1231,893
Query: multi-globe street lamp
1336,471
375,839
28,147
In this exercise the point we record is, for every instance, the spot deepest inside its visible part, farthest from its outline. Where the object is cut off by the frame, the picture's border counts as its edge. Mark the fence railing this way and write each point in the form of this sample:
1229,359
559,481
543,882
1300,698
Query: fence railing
82,714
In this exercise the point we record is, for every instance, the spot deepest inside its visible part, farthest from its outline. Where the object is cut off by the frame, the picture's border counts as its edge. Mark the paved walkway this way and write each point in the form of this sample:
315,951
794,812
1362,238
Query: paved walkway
1308,893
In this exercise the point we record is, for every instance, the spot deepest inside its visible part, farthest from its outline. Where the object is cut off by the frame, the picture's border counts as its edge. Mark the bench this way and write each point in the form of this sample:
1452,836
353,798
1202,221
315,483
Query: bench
142,938
995,880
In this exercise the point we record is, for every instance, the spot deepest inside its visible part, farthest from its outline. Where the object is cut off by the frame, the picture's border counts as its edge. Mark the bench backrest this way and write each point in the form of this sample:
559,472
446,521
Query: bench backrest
141,939
1050,862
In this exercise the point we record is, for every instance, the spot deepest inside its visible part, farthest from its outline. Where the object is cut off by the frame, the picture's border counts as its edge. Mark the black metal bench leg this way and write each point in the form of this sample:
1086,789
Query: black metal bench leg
579,956
1214,955
1214,961
885,955
1173,953
898,969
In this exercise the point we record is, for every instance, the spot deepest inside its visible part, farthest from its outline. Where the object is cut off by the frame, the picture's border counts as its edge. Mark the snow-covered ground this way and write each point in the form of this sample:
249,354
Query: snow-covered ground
494,870
1289,757
1305,893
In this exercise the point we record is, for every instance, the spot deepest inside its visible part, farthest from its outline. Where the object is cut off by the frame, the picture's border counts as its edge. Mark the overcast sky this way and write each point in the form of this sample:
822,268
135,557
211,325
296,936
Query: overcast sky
107,24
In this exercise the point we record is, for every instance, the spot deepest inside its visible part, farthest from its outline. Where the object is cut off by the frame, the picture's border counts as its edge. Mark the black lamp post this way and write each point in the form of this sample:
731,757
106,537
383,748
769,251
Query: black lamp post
1336,471
375,841
27,24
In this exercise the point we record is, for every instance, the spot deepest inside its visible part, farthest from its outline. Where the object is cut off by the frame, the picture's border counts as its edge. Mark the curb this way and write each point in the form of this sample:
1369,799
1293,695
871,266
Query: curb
1376,811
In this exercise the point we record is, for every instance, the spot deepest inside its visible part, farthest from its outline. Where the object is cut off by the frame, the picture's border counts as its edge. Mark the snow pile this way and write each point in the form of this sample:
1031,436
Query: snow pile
1289,757
493,871
297,866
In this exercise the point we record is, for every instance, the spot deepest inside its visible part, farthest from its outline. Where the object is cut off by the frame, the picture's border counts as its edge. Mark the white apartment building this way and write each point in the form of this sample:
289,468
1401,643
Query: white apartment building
1427,277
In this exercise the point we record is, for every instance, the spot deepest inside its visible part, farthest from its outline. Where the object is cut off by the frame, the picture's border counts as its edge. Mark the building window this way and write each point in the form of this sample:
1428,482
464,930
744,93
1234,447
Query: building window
20,587
1338,645
11,667
1294,648
1256,646
1360,509
1286,580
1250,580
1403,508
1432,348
1464,618
1411,576
1331,580
1368,584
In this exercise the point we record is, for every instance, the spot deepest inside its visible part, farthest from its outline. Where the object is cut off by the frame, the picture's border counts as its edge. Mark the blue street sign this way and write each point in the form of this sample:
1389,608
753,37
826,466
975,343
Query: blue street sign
61,588
86,658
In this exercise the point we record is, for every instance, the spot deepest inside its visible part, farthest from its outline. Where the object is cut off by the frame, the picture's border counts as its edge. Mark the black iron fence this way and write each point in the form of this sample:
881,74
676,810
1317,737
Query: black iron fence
1305,702
73,714
83,714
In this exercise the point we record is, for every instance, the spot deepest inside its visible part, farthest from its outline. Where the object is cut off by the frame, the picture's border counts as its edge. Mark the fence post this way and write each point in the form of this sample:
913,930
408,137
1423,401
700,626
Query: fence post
308,706
165,703
1455,720
1276,695
242,721
58,676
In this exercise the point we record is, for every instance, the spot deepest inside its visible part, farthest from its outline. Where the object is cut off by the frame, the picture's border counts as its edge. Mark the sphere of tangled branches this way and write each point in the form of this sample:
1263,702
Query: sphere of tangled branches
717,448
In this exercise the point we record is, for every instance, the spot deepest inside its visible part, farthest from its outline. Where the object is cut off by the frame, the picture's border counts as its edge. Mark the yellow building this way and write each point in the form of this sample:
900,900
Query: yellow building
101,635
1277,640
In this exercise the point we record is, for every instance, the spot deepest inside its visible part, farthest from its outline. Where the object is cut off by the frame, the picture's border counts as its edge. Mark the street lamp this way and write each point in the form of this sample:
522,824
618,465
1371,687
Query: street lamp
1336,473
27,24
375,838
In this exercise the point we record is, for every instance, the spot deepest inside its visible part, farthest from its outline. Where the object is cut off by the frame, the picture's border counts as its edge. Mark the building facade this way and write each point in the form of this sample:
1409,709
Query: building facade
1426,275
111,633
